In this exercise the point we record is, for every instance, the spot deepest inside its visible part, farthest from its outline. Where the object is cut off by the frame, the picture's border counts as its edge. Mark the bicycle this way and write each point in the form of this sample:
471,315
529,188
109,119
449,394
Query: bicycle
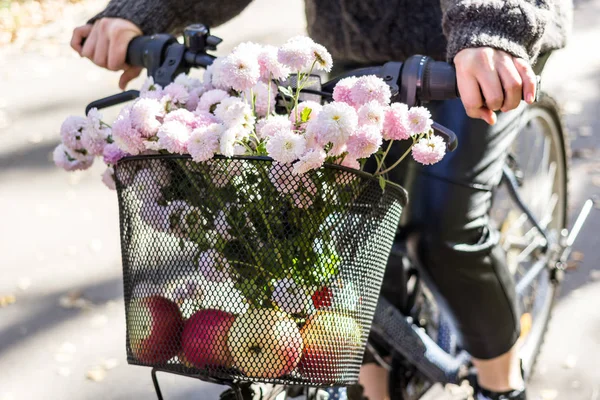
534,233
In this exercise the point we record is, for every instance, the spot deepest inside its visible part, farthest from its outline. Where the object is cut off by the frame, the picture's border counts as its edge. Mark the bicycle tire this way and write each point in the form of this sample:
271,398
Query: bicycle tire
547,108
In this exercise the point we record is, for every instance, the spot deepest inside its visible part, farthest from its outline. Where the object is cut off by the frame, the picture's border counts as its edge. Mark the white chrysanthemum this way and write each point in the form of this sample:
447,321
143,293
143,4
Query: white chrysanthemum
371,113
194,99
71,160
314,107
70,132
209,100
187,81
270,67
213,76
227,142
108,178
336,121
290,297
419,120
173,137
150,89
370,88
312,159
232,111
285,146
323,59
264,100
204,142
145,115
240,71
266,128
248,49
297,53
224,296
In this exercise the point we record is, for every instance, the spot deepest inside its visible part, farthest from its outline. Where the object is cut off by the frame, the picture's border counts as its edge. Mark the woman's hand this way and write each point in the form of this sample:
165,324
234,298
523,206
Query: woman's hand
106,45
502,79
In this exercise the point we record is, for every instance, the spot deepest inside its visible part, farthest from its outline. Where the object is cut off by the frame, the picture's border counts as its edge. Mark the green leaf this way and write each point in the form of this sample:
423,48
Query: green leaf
287,91
382,182
306,114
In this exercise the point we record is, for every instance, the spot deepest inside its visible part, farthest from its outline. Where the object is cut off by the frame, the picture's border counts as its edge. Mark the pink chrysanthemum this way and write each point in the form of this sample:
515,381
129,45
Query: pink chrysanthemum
112,153
151,90
194,98
350,163
126,136
364,142
264,100
282,177
176,93
202,119
204,142
297,53
315,109
338,149
342,90
71,160
188,82
214,266
181,115
285,146
108,178
371,113
336,122
270,67
370,88
395,123
211,99
71,132
419,120
227,142
312,159
235,113
266,128
429,150
290,297
240,71
173,137
145,115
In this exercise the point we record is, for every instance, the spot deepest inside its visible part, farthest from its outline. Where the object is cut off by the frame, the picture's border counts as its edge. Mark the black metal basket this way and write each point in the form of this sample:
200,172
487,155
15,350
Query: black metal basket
237,269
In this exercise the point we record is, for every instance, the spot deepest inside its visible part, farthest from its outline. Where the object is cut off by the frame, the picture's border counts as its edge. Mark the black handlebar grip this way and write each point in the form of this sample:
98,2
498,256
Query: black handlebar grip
439,82
136,51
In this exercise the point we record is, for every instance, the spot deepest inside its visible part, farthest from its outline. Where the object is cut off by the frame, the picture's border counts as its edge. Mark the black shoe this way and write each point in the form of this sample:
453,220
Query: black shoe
512,395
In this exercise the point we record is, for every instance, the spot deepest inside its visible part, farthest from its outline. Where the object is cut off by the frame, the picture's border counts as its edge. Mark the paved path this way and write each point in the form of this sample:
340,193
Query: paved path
59,249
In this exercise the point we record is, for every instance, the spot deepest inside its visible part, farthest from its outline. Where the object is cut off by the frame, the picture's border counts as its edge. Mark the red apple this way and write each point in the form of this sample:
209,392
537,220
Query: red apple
204,339
154,325
330,341
322,298
265,343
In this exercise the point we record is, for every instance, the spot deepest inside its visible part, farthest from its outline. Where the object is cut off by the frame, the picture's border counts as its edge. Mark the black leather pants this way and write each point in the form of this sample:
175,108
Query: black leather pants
449,203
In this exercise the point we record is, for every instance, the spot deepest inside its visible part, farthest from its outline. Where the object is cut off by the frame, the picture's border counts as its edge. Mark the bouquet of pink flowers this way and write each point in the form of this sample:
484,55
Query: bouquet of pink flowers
268,241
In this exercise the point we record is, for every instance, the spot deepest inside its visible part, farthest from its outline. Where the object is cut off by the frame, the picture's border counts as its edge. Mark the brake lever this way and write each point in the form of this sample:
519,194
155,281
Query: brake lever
447,134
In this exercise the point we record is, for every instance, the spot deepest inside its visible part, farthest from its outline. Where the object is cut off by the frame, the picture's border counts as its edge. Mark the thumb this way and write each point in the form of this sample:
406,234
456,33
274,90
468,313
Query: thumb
128,75
487,115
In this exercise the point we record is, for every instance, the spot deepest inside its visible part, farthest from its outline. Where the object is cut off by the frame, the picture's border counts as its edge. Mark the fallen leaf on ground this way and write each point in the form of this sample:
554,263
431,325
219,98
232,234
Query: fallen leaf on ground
64,371
110,363
96,374
74,299
549,394
577,256
572,265
583,153
570,362
596,181
595,274
7,299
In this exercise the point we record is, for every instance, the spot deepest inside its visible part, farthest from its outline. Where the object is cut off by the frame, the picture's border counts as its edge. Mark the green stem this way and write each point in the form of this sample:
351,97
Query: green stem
253,266
387,150
269,98
397,162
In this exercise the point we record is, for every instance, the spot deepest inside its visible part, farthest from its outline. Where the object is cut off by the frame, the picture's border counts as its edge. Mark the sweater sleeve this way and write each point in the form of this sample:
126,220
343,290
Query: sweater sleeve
514,26
172,16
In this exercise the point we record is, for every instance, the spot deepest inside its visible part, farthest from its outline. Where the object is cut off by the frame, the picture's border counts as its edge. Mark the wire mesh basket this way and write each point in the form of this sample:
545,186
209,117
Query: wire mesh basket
237,269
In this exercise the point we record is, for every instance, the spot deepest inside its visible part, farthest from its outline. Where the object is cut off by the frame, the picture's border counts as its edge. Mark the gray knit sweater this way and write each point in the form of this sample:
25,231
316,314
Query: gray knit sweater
376,31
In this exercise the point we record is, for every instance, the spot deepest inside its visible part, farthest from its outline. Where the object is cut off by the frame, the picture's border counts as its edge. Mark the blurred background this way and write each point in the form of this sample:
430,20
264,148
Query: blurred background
62,323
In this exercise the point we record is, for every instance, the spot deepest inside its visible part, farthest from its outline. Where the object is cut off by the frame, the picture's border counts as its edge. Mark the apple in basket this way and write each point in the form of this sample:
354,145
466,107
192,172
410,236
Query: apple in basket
265,343
204,339
329,337
154,324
